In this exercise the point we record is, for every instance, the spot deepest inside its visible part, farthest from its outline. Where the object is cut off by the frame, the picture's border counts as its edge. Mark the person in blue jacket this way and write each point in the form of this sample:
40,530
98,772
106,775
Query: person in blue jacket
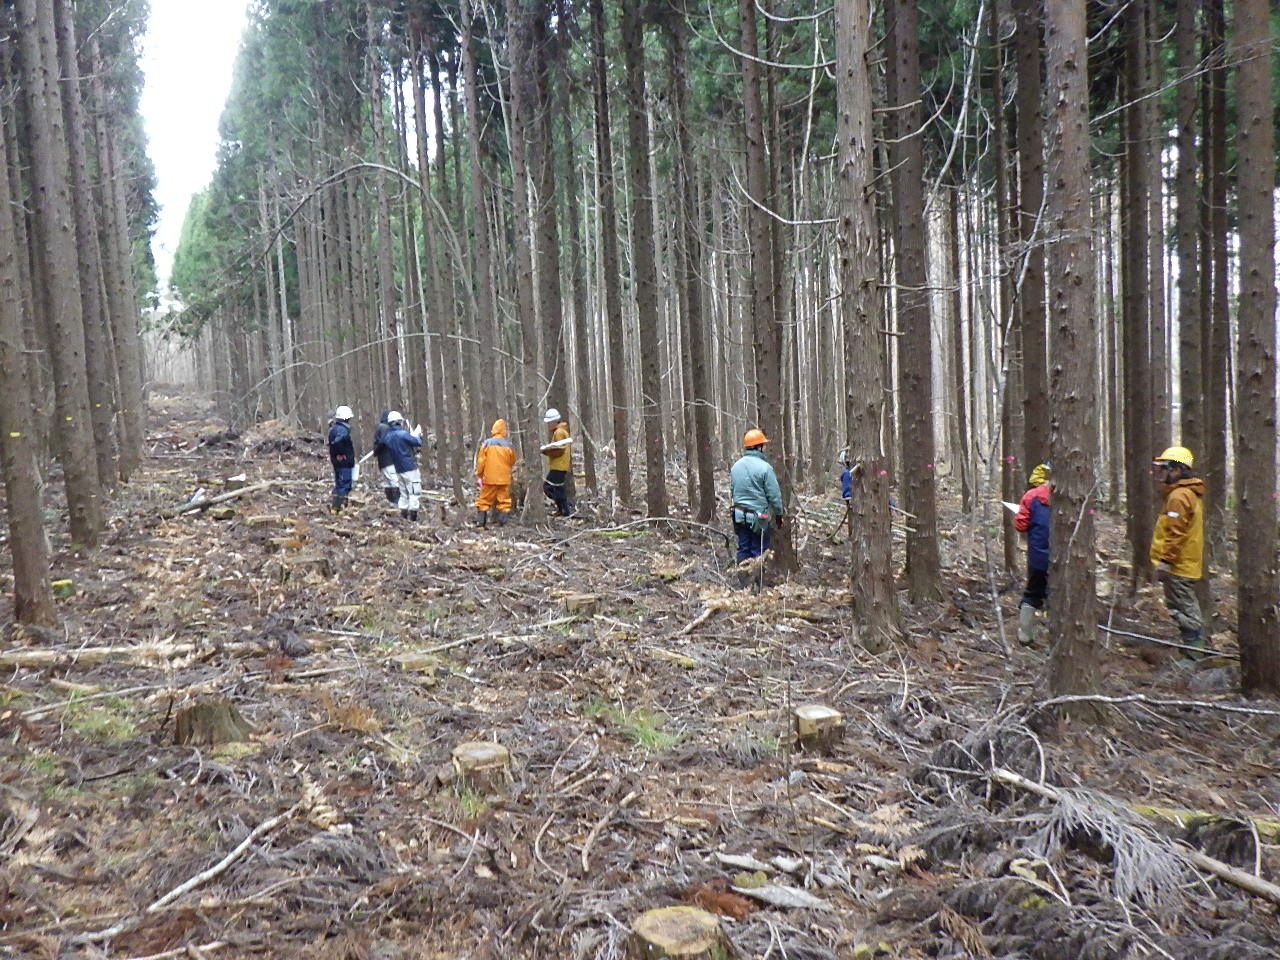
757,499
386,465
1033,519
403,446
342,456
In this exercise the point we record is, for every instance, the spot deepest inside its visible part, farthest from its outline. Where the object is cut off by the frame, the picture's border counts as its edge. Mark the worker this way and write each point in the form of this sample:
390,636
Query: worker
404,446
342,457
494,462
1177,544
757,499
1032,519
386,464
558,451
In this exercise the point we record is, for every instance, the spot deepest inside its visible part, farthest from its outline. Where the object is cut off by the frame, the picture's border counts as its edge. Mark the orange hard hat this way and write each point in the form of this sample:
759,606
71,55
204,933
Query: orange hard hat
753,438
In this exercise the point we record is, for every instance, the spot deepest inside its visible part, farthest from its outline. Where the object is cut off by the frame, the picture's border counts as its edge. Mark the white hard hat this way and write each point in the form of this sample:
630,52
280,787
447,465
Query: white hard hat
395,416
551,416
343,413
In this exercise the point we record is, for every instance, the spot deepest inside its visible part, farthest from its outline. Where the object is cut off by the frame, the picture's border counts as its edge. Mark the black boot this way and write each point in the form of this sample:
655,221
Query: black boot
404,514
392,494
502,519
1193,638
482,518
413,516
335,504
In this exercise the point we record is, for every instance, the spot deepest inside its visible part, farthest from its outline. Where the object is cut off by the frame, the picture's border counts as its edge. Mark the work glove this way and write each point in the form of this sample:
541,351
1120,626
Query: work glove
1162,572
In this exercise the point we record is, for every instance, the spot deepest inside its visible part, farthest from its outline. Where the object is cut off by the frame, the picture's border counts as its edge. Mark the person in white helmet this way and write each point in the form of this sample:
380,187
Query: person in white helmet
342,455
559,461
404,454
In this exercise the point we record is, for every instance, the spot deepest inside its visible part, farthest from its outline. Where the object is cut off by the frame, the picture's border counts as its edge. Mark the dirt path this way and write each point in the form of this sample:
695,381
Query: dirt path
648,728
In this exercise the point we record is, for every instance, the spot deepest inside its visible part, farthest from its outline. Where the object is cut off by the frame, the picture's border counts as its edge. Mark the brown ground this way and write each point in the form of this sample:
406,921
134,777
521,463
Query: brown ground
650,742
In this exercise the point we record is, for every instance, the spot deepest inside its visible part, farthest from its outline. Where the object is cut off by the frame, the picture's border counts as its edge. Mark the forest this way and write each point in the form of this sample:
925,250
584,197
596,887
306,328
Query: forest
940,246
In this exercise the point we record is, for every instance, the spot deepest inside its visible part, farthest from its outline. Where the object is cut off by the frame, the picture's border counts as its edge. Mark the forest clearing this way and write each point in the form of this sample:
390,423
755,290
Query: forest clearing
646,708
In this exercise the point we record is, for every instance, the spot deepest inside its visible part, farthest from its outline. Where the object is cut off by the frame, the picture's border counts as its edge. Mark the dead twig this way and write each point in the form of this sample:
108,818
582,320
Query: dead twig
599,825
200,878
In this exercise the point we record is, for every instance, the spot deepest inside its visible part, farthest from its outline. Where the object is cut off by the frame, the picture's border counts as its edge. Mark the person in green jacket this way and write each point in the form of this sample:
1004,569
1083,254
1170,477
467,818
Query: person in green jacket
757,498
1177,545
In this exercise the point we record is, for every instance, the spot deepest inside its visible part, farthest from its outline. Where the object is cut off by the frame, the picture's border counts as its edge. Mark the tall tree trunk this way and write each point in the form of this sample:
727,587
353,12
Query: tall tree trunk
610,269
28,545
690,261
1218,339
1031,299
762,281
1153,156
97,325
1190,372
643,268
545,220
874,598
915,357
1255,435
1135,282
523,103
486,306
55,231
1073,665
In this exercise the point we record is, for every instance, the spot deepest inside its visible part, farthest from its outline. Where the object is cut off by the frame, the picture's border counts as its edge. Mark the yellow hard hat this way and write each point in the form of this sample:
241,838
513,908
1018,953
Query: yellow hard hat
1178,455
753,438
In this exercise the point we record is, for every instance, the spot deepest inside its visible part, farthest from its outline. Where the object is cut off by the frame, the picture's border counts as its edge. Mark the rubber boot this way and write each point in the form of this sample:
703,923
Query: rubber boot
1027,624
413,516
502,519
744,579
482,518
1193,638
404,514
336,504
392,494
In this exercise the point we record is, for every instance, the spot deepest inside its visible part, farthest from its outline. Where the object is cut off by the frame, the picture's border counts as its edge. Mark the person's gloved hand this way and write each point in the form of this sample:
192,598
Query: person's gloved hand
778,522
1162,572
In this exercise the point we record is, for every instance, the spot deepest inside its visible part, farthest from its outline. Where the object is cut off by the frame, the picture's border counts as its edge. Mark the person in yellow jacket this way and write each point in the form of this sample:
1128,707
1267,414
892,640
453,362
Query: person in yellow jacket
1177,545
559,453
494,462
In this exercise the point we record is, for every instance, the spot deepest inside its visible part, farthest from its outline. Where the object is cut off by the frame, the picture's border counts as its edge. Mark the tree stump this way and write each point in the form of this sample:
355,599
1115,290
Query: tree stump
307,564
482,766
818,727
209,723
581,603
686,933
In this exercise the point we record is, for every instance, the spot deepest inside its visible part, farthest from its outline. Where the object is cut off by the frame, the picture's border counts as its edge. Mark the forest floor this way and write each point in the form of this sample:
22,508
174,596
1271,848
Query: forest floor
648,724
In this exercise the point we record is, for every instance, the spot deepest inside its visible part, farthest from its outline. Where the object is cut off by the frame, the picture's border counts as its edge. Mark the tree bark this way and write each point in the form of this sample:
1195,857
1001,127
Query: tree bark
1073,666
873,596
1255,434
55,234
915,356
643,268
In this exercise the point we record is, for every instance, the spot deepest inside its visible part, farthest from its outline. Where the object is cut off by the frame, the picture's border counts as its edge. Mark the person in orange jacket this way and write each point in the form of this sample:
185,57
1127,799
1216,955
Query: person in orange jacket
559,462
1177,545
494,461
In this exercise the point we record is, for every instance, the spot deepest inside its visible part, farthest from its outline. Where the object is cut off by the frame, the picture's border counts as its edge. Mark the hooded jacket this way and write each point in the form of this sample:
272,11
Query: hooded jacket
380,441
1033,519
403,446
496,457
1179,535
561,458
342,452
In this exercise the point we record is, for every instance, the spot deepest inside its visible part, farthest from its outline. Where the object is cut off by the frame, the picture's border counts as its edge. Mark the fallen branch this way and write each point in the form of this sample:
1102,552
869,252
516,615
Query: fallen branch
220,498
697,621
1204,651
1223,871
139,654
188,885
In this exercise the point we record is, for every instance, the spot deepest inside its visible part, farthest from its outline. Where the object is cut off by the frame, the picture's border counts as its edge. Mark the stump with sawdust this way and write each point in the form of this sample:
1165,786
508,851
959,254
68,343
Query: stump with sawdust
483,767
818,727
679,933
209,723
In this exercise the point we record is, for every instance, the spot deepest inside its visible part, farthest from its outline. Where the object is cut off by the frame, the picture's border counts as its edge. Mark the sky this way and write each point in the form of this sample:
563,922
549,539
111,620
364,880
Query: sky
187,58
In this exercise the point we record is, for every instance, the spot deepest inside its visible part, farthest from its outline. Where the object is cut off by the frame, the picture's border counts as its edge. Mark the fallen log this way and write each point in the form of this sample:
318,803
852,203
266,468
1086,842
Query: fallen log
220,498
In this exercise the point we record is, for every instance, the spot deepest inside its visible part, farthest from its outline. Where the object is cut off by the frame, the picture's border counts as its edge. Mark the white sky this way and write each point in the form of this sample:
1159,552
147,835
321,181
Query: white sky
187,58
